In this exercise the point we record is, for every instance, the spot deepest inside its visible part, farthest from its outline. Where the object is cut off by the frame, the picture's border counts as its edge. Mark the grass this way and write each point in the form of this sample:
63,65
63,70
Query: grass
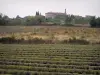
47,59
55,33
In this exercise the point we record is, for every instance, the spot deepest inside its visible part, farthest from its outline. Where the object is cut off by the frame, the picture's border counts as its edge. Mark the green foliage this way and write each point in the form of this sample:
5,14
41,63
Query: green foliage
28,20
57,20
3,19
95,22
73,19
98,22
68,19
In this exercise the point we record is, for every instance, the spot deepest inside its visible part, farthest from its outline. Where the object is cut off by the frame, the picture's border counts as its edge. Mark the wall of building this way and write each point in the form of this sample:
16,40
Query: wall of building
49,15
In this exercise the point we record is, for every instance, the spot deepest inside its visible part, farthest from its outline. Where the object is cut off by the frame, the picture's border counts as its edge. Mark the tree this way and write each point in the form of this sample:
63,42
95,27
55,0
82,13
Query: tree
39,19
93,22
37,13
98,22
1,19
68,19
29,20
18,20
4,19
15,21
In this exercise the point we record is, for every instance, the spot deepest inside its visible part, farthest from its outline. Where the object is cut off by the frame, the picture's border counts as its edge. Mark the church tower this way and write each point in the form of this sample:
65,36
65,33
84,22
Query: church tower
65,11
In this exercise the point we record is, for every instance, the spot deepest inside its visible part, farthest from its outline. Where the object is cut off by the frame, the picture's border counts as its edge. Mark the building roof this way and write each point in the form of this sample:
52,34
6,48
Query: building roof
56,13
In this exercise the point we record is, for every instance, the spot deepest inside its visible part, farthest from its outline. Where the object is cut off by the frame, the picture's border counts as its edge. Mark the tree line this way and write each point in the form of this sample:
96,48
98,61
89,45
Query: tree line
95,22
40,19
27,20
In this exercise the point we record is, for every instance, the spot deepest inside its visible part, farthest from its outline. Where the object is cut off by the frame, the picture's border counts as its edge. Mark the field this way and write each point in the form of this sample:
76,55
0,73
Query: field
54,33
53,56
49,59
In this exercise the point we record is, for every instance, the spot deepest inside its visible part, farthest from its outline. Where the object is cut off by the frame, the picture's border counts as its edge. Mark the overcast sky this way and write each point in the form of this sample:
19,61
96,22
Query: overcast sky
29,7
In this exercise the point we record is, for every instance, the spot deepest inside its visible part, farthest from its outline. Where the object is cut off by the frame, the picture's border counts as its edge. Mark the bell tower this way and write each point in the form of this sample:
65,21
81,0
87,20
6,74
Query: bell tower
65,11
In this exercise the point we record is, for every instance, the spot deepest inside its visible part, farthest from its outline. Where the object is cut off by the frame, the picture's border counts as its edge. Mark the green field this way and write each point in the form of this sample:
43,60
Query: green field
49,59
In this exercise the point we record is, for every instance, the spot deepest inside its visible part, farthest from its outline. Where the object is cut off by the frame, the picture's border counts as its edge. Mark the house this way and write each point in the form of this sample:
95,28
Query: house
54,14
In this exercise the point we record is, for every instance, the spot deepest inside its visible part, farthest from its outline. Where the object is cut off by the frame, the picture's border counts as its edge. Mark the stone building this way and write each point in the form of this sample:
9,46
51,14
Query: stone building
54,14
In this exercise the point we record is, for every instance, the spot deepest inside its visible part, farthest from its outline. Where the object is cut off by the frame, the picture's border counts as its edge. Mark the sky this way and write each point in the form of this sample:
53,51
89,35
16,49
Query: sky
23,8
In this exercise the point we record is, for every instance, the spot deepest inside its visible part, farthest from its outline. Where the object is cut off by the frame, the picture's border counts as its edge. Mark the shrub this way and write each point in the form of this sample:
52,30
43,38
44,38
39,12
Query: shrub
78,41
75,41
7,40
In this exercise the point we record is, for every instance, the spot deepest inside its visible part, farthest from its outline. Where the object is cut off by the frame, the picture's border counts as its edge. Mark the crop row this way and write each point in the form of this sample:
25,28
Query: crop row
45,69
93,67
49,60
